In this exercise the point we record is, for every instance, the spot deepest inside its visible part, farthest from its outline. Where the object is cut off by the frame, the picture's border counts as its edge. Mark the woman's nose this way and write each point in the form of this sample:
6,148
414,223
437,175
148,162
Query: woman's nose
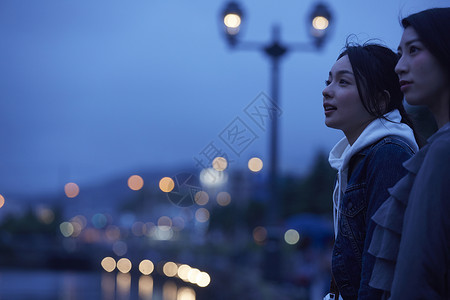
401,67
326,92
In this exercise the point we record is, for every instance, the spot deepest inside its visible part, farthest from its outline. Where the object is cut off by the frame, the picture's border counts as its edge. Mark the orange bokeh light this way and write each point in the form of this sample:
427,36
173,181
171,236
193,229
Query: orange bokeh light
71,189
135,182
166,184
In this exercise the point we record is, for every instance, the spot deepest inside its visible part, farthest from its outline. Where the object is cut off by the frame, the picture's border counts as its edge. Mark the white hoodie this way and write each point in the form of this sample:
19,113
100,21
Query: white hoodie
342,152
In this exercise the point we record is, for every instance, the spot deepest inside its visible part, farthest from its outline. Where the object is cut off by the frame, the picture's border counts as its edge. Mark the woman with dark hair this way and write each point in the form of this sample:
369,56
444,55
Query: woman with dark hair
363,99
411,240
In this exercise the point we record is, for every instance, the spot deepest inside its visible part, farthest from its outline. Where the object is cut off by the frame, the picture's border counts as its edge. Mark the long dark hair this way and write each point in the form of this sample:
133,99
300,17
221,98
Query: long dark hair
433,28
378,85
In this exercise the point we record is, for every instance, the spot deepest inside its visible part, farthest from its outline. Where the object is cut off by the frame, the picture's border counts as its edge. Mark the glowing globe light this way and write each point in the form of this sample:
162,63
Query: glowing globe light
183,272
223,198
2,201
203,279
146,267
108,264
201,198
291,236
71,189
135,182
210,177
202,215
255,164
232,20
124,265
192,275
320,23
219,164
170,269
166,184
66,229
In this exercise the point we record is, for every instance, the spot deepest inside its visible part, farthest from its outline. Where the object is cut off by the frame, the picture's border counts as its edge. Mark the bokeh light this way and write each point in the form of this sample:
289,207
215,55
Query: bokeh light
232,20
99,220
255,164
183,272
120,248
80,219
291,236
135,182
203,279
223,198
166,184
66,229
108,264
219,163
146,267
320,23
2,201
178,223
192,275
71,189
260,234
138,228
201,198
212,178
202,215
165,222
124,265
170,269
112,233
44,214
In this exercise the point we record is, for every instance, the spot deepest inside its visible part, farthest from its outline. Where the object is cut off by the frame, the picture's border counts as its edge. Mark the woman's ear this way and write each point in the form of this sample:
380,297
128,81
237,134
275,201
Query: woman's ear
385,100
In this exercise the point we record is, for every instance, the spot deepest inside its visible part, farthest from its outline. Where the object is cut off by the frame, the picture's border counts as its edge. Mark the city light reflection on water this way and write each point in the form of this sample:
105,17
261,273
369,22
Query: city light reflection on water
40,285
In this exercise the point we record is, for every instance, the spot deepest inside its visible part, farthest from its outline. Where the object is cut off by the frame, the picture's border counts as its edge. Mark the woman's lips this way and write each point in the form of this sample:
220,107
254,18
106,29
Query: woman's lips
329,109
404,85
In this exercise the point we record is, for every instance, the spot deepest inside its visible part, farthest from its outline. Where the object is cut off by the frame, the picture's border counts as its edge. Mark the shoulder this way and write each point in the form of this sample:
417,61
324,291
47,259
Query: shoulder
438,154
390,147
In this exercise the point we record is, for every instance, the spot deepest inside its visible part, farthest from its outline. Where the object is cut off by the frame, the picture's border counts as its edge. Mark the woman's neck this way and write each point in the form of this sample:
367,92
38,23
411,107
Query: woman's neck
441,108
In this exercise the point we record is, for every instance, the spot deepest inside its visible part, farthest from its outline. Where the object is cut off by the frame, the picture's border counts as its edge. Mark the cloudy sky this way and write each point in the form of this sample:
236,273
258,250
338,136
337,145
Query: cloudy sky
95,89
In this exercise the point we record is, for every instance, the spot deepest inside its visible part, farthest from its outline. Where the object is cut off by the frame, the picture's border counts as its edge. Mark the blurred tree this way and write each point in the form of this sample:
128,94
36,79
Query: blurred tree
311,193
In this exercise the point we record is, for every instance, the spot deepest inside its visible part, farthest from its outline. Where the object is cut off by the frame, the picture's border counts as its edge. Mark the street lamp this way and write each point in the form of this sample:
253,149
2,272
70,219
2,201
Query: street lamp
319,24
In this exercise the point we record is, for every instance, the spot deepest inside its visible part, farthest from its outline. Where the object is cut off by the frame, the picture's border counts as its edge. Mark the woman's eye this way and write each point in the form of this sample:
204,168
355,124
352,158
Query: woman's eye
413,49
343,81
327,82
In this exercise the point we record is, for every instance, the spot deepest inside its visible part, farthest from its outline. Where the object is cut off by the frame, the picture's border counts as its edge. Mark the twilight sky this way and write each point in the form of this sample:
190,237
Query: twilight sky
95,89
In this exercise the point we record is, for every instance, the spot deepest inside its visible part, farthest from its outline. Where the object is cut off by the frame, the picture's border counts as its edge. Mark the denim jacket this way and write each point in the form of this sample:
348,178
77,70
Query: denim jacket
372,171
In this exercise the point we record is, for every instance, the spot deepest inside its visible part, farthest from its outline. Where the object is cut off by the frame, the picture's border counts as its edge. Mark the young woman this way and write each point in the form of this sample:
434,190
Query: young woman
363,99
411,241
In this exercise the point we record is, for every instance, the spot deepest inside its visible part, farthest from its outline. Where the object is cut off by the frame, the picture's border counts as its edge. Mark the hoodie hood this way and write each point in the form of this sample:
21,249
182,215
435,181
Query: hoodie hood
342,152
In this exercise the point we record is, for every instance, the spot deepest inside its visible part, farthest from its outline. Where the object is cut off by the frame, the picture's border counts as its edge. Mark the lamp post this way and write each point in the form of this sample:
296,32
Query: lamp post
319,21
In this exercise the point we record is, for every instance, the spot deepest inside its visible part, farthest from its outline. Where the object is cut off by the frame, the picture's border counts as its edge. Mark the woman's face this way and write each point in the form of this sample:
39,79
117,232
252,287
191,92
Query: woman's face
341,102
422,79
